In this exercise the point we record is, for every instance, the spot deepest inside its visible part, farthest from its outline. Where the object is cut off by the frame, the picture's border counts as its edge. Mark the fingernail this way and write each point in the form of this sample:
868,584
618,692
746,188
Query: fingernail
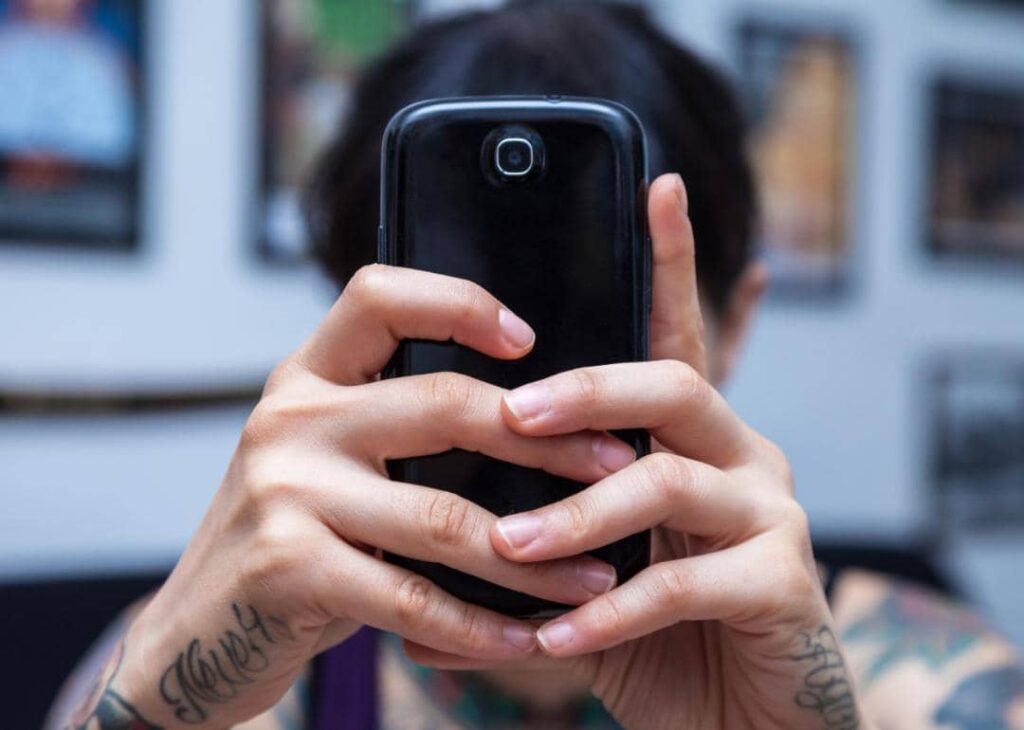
556,636
516,331
519,636
612,454
529,401
519,530
596,577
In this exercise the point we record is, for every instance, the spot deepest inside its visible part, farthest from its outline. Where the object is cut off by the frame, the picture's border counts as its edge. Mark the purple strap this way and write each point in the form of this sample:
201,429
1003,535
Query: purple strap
345,685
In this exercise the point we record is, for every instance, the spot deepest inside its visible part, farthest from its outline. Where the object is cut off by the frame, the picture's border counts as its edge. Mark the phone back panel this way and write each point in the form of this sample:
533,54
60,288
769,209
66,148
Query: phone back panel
565,249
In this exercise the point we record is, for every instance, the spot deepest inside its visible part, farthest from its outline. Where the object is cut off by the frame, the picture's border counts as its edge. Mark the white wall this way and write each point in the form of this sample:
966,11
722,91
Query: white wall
835,384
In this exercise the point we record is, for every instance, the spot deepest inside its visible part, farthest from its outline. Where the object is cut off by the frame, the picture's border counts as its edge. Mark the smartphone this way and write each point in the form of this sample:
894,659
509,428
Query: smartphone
540,200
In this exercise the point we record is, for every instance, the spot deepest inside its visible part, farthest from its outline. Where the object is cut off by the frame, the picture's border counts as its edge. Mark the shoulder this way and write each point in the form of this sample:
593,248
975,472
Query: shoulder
924,659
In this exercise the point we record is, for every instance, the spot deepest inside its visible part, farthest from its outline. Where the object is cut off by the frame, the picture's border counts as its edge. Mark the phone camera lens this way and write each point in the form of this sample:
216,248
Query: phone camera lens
514,156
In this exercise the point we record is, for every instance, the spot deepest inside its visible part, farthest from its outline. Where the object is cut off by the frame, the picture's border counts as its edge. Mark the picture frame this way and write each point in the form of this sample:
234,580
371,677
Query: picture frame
799,81
72,124
311,52
975,182
976,440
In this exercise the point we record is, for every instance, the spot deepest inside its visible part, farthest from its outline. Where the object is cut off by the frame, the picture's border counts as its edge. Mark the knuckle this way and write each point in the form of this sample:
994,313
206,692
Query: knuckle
452,394
789,578
448,519
799,525
575,515
282,373
777,461
688,383
791,586
470,301
475,636
368,284
274,554
587,385
611,618
412,599
665,473
667,588
796,516
275,534
260,427
268,495
277,416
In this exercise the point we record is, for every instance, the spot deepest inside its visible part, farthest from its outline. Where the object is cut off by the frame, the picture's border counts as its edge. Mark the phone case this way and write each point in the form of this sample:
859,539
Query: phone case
563,245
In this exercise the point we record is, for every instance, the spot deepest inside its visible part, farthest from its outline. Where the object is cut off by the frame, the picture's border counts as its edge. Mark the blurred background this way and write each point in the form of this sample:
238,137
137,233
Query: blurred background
153,269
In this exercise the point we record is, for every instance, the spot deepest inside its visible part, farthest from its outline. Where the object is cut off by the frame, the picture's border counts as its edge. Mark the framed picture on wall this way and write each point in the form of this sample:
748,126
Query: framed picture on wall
977,440
1011,4
312,50
800,86
976,202
71,112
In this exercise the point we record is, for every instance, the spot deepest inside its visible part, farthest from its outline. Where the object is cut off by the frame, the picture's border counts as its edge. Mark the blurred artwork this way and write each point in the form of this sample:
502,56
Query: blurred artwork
800,86
1011,4
70,98
978,441
313,49
977,195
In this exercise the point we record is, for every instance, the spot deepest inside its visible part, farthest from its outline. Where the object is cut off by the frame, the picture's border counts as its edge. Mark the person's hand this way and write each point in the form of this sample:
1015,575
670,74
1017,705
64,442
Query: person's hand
729,626
286,562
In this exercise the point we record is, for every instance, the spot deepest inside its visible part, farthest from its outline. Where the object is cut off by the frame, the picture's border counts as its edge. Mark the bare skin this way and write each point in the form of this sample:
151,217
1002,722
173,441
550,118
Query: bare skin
284,565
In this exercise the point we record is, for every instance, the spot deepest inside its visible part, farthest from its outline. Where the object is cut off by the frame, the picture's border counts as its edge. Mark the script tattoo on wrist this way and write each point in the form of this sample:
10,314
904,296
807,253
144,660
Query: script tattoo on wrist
827,689
202,676
105,709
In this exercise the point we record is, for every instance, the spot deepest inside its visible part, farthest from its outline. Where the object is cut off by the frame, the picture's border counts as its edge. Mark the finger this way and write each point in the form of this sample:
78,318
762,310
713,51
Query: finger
390,598
667,397
734,586
441,527
660,489
431,414
382,305
677,325
536,661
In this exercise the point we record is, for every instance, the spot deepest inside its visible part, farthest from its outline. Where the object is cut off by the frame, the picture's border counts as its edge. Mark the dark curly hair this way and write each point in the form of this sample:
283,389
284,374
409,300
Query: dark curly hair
578,48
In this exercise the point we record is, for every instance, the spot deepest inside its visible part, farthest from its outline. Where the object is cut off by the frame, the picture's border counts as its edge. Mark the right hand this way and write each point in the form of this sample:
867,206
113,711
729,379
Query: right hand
286,562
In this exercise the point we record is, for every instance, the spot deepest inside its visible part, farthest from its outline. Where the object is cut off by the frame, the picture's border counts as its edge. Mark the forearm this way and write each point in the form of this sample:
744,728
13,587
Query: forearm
923,661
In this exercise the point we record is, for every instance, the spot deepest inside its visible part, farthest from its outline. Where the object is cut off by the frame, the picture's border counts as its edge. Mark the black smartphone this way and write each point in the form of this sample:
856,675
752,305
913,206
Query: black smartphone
540,200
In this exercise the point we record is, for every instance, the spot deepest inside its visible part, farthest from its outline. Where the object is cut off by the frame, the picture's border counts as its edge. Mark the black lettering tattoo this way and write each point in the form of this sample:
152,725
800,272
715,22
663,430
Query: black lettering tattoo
203,676
984,701
827,688
911,624
105,709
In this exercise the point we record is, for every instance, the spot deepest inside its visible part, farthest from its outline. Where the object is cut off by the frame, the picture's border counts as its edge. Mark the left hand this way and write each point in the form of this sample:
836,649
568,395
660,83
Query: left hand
729,626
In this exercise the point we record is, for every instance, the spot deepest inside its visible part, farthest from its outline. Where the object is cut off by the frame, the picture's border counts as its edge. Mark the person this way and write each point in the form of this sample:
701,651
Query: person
729,627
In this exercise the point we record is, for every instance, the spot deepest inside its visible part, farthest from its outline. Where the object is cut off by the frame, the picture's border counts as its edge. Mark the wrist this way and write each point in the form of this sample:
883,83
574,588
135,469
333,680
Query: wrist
134,688
214,668
119,699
